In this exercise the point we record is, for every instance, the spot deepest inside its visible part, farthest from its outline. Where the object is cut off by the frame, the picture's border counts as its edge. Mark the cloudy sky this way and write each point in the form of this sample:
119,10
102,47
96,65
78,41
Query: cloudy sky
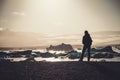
60,16
58,21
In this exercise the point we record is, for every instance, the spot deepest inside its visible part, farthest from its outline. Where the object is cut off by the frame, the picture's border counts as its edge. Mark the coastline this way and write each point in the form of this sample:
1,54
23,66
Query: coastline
59,70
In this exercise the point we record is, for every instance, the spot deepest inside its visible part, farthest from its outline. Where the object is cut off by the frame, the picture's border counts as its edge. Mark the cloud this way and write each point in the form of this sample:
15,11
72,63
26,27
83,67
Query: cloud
18,13
1,29
3,20
58,23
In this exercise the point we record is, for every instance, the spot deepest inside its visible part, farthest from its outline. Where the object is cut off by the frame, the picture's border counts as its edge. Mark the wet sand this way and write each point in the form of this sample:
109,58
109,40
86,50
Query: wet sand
59,70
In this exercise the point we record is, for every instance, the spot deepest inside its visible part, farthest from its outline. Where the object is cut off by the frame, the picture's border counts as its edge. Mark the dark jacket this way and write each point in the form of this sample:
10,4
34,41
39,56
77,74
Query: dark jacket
87,41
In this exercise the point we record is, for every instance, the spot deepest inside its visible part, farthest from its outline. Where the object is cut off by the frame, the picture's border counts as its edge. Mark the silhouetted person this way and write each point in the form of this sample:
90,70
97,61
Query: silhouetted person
87,42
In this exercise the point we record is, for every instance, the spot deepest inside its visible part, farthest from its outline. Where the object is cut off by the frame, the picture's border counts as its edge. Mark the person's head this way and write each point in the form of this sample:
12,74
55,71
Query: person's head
86,32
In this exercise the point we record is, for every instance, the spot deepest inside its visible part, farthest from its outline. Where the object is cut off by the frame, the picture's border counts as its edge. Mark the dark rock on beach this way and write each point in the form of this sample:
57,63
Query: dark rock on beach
106,49
61,47
103,55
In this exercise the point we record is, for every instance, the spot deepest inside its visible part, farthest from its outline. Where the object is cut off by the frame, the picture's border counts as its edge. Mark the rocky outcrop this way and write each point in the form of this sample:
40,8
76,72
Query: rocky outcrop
103,55
73,55
106,52
27,53
106,49
61,47
3,54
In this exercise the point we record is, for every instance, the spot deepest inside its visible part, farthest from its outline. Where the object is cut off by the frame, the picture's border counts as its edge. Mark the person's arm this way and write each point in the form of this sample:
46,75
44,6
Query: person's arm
83,40
90,39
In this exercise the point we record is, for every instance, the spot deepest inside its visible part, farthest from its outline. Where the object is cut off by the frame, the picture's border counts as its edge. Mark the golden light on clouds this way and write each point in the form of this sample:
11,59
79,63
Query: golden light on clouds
58,17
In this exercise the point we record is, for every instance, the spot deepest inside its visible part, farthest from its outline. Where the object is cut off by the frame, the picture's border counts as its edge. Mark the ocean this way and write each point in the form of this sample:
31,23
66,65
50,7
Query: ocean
58,59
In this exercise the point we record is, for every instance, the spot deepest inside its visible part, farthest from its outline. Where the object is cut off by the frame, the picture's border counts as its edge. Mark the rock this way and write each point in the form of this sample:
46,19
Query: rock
73,55
27,53
103,55
46,55
3,54
61,47
4,60
106,49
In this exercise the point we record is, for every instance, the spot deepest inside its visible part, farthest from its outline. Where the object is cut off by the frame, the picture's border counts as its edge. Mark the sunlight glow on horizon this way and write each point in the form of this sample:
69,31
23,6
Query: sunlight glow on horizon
60,16
45,22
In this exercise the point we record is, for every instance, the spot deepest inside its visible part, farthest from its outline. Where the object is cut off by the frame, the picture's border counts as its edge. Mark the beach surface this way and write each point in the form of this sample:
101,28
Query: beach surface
59,70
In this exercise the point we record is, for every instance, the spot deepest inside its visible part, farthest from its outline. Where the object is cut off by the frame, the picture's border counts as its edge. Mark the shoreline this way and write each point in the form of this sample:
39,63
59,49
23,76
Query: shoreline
72,70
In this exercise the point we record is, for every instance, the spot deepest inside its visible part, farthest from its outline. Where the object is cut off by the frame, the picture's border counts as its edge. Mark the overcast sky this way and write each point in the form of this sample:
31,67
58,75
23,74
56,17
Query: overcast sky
60,16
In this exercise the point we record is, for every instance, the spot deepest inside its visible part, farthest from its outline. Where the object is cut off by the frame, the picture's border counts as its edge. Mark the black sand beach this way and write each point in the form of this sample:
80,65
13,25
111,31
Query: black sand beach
59,70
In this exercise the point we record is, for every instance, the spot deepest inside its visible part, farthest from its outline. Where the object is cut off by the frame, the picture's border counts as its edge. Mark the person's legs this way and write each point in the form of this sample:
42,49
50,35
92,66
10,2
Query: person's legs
89,53
82,55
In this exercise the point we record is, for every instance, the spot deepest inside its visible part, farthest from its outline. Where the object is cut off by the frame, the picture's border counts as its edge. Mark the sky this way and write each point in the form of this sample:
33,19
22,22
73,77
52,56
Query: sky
45,22
59,16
